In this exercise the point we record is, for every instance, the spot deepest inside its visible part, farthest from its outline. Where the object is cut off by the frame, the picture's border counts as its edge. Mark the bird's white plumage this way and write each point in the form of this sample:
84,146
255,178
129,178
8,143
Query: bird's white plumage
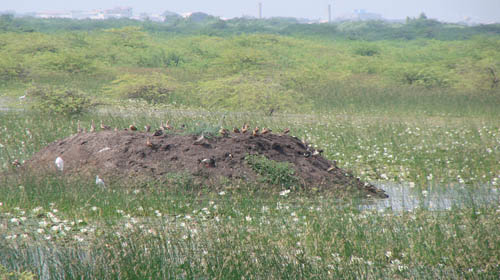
99,181
59,163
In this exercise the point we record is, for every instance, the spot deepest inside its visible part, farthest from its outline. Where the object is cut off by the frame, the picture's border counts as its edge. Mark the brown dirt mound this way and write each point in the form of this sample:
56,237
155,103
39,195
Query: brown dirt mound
128,154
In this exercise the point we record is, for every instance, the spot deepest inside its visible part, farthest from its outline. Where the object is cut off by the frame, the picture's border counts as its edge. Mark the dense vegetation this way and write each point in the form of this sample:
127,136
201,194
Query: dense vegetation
415,104
255,65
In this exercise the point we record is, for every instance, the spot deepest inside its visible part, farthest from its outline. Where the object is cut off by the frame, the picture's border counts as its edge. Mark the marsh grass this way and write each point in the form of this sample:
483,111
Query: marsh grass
57,227
169,232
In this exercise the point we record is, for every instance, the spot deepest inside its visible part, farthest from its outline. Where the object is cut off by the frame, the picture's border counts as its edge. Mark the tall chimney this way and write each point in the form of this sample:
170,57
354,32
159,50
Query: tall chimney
329,13
260,10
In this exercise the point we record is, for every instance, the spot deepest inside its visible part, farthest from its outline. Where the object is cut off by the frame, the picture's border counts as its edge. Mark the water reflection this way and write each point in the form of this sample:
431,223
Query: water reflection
407,197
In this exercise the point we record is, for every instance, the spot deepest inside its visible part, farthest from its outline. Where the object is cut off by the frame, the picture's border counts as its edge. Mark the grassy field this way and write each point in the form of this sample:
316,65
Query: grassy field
419,111
67,228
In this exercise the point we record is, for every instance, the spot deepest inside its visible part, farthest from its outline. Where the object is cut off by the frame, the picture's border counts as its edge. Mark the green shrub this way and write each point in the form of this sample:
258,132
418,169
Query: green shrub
11,68
424,77
367,50
273,172
153,88
7,275
62,100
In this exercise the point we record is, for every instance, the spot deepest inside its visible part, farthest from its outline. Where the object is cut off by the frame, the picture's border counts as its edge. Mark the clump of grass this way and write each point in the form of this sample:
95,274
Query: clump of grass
5,274
273,172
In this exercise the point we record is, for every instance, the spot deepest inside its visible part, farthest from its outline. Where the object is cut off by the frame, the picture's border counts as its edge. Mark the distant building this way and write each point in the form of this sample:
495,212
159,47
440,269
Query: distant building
53,14
361,14
118,12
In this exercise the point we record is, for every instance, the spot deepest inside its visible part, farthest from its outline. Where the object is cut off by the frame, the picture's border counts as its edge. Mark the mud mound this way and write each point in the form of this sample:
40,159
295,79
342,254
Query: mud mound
129,154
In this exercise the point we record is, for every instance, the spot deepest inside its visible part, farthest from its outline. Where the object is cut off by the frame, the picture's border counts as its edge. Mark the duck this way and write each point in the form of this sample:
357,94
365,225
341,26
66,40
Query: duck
92,126
78,127
199,140
224,132
244,129
132,127
266,130
148,143
255,131
105,127
236,130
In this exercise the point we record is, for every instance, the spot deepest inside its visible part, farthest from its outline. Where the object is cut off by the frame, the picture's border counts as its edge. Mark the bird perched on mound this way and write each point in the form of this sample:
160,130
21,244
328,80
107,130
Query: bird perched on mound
132,127
166,126
199,140
244,129
158,132
105,127
208,162
236,130
78,127
255,131
266,130
59,163
224,132
92,126
148,143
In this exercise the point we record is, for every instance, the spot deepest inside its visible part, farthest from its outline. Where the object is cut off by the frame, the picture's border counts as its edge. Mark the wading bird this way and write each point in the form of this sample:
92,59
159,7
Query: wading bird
59,163
99,181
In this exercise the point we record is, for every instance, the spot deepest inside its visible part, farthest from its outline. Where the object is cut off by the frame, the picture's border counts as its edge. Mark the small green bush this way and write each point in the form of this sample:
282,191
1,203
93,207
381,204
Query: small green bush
5,274
153,88
273,172
428,78
367,50
12,68
63,101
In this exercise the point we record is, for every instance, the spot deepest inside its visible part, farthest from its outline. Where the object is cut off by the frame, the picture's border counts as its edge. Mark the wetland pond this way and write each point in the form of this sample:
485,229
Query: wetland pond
407,197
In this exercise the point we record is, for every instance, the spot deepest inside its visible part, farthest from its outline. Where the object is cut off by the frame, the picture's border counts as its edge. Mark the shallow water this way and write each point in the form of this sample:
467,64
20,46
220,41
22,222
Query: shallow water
406,197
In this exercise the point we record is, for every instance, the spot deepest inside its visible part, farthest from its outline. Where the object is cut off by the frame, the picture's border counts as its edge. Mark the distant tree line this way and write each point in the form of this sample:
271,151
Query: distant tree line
413,28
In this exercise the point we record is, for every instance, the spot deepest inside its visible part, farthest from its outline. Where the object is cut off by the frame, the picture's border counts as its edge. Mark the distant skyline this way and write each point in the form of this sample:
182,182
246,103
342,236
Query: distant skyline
444,10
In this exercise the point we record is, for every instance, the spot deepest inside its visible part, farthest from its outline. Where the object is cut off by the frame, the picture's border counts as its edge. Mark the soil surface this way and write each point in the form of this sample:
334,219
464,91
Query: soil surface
118,155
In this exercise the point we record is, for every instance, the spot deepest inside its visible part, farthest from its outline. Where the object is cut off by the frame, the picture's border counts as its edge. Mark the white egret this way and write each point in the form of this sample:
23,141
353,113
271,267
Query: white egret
99,181
59,163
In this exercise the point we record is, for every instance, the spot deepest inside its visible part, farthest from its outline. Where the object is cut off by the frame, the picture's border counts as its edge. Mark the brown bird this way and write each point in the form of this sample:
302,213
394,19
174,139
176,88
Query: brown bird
132,127
148,143
286,131
16,163
147,128
158,132
244,129
168,126
199,140
92,126
331,168
78,127
105,127
266,130
208,162
236,130
224,132
255,131
317,152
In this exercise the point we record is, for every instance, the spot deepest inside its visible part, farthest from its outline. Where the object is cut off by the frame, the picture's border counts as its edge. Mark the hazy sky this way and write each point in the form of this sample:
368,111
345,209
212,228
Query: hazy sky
448,10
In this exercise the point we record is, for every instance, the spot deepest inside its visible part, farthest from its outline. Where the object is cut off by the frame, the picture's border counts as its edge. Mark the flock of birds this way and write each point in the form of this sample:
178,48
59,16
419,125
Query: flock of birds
59,162
60,166
167,126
